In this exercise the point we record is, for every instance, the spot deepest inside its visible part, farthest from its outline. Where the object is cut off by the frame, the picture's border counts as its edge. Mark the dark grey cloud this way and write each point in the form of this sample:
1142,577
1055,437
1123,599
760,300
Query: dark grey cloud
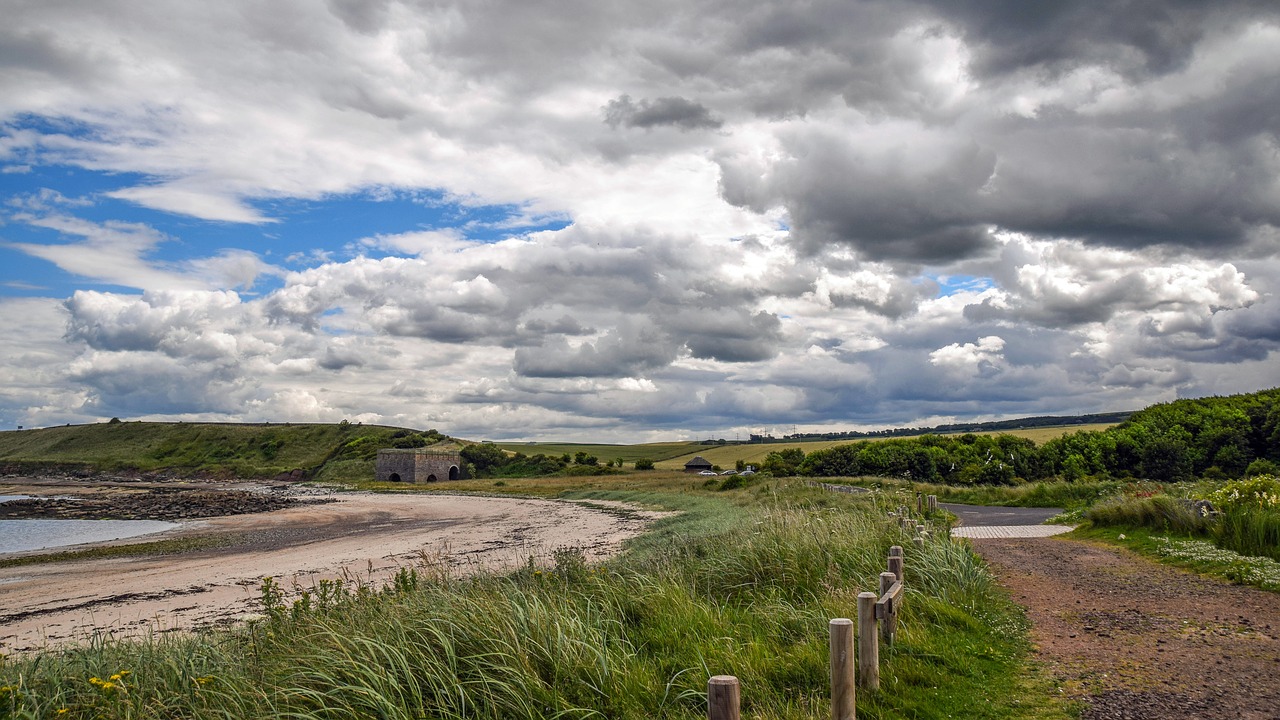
1137,37
41,51
674,112
336,358
633,349
915,206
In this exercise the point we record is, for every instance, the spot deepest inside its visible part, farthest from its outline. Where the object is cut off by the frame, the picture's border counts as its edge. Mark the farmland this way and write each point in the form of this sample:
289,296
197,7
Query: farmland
674,455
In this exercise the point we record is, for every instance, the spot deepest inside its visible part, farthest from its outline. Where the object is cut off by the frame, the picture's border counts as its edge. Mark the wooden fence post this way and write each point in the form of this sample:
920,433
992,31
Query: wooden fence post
919,541
842,664
868,643
933,503
723,698
889,622
895,562
919,503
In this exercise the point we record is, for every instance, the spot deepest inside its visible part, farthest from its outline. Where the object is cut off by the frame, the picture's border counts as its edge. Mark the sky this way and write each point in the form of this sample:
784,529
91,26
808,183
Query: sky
603,220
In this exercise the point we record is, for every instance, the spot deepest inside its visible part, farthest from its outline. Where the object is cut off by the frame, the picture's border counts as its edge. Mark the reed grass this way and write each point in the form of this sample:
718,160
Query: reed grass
1156,512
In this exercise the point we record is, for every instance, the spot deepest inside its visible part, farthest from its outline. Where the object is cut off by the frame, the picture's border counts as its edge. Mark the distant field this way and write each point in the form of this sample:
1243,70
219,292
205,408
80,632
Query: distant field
727,455
629,453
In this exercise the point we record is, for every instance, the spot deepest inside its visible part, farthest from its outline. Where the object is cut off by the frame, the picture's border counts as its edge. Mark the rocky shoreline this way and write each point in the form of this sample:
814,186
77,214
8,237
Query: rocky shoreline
152,504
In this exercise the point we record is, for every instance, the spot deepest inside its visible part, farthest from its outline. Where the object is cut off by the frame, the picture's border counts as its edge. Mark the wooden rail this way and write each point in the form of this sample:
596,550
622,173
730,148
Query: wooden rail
724,691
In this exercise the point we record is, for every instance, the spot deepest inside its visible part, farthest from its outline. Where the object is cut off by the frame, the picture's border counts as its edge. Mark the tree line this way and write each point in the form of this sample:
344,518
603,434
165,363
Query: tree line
1213,437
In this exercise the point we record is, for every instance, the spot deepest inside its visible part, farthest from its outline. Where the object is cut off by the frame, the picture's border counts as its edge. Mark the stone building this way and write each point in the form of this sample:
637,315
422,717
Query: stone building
417,465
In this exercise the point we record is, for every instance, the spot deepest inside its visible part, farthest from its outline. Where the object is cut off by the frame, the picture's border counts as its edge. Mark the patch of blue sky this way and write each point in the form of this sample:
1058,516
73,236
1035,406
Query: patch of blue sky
951,284
303,233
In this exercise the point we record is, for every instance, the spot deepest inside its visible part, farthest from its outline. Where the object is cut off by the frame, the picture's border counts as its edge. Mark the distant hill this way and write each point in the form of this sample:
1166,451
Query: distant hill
326,451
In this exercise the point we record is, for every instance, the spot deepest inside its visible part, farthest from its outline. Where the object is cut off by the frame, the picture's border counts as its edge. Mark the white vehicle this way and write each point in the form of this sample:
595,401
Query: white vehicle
729,472
707,472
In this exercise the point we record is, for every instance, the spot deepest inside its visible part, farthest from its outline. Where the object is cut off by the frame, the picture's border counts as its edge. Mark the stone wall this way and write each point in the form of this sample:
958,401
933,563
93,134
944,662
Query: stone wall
417,465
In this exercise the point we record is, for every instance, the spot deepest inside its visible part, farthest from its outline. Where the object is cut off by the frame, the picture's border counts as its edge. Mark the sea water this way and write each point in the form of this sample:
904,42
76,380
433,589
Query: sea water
40,534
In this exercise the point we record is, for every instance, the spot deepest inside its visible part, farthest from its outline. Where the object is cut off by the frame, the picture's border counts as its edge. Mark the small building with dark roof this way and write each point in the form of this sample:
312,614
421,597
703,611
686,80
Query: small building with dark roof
417,465
698,464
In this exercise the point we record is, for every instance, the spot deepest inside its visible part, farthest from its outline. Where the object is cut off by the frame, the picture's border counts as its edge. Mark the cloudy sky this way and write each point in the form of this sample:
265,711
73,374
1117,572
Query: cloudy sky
608,220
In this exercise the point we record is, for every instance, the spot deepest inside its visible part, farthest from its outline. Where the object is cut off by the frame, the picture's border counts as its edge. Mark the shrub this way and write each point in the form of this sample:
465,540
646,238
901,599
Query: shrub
1262,466
1260,491
644,464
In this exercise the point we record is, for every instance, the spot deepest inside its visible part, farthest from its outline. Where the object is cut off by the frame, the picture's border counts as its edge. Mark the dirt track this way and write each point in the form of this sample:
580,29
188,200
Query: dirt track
362,535
1142,641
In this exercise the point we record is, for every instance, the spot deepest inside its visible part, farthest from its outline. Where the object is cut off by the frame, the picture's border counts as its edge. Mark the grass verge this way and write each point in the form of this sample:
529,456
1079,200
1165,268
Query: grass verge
1189,551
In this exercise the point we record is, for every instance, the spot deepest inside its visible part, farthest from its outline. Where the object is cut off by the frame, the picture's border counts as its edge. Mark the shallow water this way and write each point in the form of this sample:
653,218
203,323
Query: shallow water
7,498
24,535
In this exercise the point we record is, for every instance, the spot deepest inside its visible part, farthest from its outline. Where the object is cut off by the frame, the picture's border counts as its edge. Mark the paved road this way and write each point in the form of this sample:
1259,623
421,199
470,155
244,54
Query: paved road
984,521
986,515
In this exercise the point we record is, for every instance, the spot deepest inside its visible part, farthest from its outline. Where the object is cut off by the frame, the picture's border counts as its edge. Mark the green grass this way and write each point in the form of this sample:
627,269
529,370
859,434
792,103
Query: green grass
1076,496
242,450
1158,512
727,455
739,583
605,452
1193,552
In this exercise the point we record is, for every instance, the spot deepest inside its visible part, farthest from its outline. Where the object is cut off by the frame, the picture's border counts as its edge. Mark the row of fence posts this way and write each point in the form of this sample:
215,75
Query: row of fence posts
724,692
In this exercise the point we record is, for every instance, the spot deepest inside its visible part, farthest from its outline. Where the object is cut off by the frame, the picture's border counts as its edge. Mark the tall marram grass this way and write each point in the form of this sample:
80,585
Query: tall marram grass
1250,531
1157,512
744,589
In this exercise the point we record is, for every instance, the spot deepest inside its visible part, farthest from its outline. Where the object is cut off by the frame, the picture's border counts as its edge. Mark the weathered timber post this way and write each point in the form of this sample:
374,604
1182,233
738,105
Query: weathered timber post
933,503
895,562
919,541
919,529
919,503
723,698
868,643
842,664
889,620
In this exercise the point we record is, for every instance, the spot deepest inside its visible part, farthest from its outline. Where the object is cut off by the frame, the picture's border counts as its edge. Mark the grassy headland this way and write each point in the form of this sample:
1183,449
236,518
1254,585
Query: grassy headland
339,451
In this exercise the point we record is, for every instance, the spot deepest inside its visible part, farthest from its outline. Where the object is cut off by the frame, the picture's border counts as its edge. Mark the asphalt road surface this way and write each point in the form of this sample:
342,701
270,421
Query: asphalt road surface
988,516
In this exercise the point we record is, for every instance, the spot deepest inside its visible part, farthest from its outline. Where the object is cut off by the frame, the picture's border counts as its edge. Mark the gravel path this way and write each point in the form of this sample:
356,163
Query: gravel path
1136,640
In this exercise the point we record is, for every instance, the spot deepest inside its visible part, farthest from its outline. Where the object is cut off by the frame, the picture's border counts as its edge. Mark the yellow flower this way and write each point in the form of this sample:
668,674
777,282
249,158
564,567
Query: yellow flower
108,686
94,681
62,711
117,676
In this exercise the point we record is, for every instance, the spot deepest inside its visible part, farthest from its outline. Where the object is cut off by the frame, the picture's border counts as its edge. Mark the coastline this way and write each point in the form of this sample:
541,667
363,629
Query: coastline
355,536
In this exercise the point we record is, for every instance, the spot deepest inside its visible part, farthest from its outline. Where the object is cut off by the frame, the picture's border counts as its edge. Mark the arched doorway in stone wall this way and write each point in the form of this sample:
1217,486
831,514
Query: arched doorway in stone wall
431,478
453,472
394,477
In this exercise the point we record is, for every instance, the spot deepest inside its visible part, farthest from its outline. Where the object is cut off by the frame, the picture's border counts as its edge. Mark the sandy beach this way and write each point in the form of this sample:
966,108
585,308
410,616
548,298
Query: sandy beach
358,535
